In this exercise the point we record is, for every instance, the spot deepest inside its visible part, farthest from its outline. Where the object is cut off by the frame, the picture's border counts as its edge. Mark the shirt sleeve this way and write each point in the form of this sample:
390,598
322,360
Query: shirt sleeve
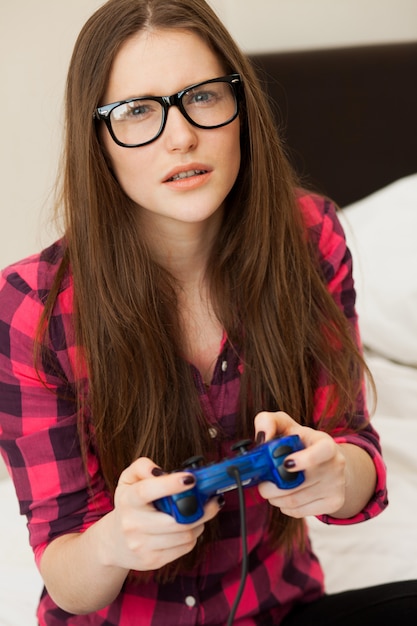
327,235
38,414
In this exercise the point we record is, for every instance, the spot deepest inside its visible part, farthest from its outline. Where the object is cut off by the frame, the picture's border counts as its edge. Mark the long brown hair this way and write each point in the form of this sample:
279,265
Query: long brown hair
266,285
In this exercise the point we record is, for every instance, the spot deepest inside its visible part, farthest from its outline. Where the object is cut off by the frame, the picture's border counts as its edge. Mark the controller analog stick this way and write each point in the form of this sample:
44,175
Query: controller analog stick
193,462
284,451
241,446
187,505
281,451
287,476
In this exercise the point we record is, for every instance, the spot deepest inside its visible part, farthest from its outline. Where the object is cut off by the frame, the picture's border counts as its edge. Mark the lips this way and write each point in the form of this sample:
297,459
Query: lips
183,172
187,174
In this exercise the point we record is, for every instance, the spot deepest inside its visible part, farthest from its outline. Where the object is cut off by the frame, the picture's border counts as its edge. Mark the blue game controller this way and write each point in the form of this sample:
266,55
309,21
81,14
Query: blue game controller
256,465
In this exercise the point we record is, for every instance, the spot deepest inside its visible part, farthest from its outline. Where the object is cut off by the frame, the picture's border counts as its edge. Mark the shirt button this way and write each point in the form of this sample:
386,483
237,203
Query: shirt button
213,432
190,601
224,366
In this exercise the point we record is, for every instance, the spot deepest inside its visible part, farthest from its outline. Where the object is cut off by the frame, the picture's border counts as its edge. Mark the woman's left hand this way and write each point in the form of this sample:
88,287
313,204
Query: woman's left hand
324,463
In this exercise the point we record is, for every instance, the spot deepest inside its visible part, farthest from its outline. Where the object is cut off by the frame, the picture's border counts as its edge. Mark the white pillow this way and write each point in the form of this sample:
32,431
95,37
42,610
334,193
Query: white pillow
381,231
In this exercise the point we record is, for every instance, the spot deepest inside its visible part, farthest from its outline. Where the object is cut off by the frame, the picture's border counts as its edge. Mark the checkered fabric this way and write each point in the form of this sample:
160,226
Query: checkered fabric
38,439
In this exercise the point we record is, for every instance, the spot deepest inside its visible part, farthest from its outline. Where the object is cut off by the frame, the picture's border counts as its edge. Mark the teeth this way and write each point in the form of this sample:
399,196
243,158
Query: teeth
187,174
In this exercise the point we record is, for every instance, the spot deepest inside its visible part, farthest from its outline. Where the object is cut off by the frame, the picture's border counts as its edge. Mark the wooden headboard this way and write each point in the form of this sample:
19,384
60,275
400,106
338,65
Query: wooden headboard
348,116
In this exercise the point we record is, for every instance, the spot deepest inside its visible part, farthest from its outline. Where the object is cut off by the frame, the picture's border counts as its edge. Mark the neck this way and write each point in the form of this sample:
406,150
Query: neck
182,248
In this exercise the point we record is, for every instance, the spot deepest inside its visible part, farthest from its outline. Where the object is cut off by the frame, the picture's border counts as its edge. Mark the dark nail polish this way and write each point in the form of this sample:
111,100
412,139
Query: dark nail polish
221,501
157,471
289,463
260,438
189,480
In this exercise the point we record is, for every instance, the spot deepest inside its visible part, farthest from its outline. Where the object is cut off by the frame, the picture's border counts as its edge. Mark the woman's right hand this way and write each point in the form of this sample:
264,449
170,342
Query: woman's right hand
140,537
85,572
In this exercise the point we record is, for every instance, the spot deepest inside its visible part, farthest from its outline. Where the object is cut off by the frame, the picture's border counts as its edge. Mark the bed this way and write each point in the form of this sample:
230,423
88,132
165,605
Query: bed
348,117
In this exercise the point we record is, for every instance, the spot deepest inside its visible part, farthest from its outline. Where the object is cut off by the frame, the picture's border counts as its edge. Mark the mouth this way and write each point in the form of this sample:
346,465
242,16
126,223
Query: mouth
187,174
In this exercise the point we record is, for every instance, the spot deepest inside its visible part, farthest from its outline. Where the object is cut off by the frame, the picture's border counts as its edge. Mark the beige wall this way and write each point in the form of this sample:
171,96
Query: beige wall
293,24
36,38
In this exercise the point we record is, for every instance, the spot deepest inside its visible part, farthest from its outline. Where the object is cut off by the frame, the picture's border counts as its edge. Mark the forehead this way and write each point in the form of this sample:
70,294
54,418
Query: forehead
161,62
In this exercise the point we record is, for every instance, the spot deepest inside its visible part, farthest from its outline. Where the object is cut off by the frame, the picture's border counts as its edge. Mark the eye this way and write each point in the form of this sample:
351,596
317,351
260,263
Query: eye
201,97
136,110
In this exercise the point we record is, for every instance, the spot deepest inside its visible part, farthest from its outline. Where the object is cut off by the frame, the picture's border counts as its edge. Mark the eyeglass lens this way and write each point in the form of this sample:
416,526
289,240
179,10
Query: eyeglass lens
207,105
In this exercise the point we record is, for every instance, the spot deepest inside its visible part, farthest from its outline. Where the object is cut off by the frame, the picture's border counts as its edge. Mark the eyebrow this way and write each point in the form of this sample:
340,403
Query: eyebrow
159,95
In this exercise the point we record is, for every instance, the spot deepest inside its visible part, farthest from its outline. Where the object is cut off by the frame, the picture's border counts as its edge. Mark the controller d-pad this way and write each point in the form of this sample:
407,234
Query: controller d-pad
187,505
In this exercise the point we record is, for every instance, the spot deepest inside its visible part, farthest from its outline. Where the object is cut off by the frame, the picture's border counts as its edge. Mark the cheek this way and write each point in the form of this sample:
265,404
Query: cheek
134,179
118,158
129,167
231,152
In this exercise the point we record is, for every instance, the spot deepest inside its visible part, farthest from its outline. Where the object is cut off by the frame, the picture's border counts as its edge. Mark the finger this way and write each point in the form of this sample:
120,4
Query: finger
212,508
169,554
319,449
151,489
165,547
274,425
138,470
147,487
164,531
269,490
297,502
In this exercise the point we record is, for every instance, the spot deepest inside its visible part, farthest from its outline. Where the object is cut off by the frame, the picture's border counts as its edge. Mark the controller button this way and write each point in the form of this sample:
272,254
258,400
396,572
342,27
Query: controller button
241,446
193,462
187,505
281,450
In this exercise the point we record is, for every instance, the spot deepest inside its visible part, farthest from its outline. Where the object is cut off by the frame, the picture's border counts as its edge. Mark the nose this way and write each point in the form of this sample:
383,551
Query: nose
178,133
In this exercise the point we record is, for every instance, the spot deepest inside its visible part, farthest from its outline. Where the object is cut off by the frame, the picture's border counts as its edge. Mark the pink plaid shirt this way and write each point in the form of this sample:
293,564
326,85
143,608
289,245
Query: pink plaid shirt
38,439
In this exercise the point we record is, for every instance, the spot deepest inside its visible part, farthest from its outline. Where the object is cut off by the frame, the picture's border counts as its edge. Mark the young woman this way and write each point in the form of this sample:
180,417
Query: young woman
197,297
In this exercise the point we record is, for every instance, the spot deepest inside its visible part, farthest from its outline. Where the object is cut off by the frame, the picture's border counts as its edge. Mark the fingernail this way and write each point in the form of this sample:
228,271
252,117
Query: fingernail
189,480
157,471
289,463
260,437
221,501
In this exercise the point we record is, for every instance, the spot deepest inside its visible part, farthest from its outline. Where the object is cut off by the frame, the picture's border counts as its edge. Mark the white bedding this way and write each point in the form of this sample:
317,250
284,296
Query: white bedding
381,231
383,549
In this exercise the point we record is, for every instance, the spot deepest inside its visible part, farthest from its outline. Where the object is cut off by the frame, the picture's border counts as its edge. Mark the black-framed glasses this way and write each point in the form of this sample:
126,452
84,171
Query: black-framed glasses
139,121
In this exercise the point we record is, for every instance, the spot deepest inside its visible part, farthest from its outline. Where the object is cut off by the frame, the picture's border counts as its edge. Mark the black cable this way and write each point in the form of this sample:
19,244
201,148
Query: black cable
234,473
